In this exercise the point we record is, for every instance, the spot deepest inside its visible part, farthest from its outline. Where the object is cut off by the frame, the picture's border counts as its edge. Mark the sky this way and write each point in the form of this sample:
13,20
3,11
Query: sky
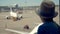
24,2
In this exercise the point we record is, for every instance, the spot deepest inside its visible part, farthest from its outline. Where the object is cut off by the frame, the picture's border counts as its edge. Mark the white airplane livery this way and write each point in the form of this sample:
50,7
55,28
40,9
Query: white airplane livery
14,15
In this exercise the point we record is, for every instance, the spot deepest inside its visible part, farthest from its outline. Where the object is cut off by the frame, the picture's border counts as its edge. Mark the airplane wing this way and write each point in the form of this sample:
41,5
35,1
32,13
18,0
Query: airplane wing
34,31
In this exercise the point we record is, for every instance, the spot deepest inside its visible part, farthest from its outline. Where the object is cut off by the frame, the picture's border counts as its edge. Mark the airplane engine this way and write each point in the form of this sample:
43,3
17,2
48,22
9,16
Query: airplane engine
7,17
19,17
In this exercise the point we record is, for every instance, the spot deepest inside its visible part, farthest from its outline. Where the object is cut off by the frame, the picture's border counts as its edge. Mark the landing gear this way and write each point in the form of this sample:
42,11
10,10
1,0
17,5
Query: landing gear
14,18
19,17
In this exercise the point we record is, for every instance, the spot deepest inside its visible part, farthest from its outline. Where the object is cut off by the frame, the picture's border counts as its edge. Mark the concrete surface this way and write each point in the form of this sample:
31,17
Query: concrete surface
29,17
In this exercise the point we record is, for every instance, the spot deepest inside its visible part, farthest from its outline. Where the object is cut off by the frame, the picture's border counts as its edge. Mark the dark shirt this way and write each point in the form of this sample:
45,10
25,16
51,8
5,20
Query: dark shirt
49,28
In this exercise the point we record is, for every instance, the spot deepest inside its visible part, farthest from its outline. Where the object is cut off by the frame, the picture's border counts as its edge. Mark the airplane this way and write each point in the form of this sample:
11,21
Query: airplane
34,31
14,15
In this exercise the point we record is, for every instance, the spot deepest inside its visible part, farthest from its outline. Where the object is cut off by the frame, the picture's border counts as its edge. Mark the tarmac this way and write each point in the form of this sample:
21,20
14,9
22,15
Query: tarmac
30,18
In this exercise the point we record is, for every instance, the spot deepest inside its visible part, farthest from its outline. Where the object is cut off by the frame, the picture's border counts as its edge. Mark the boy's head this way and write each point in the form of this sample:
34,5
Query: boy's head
47,10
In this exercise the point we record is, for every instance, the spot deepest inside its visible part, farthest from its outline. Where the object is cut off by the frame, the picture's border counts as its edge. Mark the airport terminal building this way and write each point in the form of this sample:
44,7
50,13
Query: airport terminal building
7,8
